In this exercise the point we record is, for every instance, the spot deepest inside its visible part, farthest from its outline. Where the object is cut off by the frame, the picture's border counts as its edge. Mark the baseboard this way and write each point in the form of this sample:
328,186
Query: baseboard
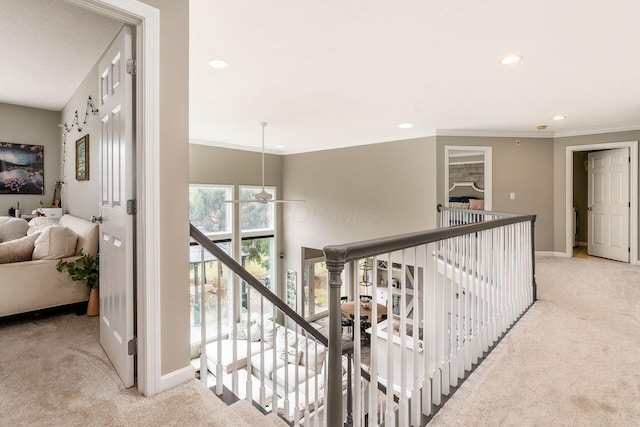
175,378
551,253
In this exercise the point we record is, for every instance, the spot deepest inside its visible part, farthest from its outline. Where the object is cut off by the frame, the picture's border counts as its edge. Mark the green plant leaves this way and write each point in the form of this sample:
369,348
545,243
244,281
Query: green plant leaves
85,269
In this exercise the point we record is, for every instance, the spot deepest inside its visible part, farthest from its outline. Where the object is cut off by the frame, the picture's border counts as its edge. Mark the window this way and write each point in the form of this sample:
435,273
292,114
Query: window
256,216
254,240
216,283
257,233
207,210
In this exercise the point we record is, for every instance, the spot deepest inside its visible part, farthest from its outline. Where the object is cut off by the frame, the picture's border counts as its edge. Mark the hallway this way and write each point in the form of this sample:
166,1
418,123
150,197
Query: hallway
572,359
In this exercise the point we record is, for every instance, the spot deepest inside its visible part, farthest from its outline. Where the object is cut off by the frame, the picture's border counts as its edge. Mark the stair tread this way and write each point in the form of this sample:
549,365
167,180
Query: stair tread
254,417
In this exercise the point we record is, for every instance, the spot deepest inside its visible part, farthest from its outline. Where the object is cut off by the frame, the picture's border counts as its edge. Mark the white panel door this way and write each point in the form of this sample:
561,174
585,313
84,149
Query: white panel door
116,181
608,204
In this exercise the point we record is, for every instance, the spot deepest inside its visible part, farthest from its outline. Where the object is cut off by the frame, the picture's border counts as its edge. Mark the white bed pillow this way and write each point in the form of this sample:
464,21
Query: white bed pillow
17,250
39,223
55,242
12,228
290,355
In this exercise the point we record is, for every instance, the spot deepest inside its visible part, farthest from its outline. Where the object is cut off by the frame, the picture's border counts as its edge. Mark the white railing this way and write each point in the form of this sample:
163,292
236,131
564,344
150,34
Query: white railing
437,301
264,351
449,295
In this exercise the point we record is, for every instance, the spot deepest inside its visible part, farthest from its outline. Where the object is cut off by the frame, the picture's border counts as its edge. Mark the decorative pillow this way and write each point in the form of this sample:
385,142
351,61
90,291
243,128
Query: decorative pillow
255,333
290,355
17,250
459,205
55,242
267,331
12,228
241,334
39,223
477,204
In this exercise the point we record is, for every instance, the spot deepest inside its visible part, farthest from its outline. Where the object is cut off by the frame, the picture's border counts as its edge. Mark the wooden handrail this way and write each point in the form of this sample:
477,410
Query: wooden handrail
227,260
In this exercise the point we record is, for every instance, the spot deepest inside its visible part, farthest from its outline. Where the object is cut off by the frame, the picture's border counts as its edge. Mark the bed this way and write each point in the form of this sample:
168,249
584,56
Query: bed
465,195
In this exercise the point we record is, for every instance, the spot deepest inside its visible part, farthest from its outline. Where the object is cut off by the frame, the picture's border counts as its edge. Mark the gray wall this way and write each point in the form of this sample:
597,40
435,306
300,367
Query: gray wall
82,198
174,169
358,193
525,169
24,125
559,172
215,165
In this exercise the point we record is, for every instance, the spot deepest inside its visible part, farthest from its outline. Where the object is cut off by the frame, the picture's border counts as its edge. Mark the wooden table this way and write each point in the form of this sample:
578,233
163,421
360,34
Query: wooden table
349,308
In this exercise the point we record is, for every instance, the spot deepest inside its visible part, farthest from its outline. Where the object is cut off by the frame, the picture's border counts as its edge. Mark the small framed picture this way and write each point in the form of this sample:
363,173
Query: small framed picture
82,158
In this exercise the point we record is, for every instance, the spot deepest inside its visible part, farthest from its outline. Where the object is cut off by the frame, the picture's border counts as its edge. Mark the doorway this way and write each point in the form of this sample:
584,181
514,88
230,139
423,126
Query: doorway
572,167
315,285
146,20
470,165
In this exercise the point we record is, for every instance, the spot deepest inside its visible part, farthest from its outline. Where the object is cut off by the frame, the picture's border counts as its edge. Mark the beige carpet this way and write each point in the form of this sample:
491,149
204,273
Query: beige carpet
572,360
53,372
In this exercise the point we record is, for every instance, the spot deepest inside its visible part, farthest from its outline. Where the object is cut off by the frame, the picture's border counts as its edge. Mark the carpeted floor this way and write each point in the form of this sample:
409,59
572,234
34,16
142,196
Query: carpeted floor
53,372
572,360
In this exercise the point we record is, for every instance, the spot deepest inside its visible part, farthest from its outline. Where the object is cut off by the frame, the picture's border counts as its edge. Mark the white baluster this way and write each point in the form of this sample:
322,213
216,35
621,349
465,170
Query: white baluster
203,323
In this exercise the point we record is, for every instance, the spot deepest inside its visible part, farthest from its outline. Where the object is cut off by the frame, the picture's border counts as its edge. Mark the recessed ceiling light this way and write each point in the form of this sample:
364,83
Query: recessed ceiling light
511,59
542,127
405,125
558,117
218,63
279,146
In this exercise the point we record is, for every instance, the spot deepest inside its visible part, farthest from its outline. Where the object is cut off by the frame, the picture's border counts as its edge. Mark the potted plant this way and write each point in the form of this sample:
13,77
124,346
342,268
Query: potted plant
86,270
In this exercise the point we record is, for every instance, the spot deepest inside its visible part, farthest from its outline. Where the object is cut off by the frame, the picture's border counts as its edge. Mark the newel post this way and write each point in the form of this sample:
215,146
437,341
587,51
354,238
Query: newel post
334,387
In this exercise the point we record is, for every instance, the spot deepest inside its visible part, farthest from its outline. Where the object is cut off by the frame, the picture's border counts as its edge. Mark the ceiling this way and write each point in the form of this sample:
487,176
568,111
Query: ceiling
333,73
48,47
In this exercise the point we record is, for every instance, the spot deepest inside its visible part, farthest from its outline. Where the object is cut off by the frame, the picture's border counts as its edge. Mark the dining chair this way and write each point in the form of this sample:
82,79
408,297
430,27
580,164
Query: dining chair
364,324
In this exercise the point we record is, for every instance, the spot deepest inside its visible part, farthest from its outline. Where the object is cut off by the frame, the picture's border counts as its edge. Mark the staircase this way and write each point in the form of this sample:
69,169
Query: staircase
242,413
436,303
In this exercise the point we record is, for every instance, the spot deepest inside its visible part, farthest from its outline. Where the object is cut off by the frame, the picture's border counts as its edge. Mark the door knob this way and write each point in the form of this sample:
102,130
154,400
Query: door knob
589,208
95,219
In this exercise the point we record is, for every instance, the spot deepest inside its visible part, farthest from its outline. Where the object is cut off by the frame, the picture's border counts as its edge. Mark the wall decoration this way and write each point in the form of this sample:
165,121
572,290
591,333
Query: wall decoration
82,158
21,168
91,111
292,288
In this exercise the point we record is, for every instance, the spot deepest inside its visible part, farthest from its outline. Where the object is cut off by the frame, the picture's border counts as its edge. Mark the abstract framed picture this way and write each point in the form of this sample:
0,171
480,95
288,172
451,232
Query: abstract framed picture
21,168
82,158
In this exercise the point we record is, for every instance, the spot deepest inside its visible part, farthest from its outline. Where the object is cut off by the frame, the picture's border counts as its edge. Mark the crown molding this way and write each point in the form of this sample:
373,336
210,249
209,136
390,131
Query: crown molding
234,146
495,133
545,134
595,131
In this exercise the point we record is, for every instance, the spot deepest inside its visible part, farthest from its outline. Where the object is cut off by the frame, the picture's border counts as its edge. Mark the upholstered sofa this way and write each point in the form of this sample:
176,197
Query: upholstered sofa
36,284
304,363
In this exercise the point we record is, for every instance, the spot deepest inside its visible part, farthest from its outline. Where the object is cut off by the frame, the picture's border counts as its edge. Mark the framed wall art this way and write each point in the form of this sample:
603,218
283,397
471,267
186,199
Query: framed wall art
82,158
21,168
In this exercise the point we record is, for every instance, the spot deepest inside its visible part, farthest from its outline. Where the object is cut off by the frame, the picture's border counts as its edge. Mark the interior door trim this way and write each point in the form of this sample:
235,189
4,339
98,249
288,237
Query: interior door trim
633,193
146,19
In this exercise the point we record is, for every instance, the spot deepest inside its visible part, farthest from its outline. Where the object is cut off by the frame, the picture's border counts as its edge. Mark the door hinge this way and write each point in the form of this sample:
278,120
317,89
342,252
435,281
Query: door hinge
131,207
131,67
132,346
